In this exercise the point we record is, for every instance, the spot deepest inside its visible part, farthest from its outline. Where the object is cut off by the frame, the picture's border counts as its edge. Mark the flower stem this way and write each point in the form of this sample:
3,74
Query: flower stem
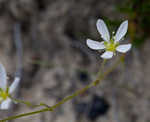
102,67
29,104
78,92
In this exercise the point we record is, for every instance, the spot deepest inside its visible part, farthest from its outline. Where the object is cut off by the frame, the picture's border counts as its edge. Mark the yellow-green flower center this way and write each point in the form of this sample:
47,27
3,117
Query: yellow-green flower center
111,46
3,95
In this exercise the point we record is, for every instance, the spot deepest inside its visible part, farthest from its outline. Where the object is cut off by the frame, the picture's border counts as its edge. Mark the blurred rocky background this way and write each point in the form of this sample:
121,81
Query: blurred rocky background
57,62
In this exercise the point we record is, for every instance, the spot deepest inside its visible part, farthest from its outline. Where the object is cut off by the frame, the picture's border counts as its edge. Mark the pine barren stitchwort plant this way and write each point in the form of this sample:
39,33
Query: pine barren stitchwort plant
5,91
110,45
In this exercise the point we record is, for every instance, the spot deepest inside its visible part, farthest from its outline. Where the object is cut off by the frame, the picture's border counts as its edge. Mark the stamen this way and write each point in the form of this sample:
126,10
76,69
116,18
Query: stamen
3,95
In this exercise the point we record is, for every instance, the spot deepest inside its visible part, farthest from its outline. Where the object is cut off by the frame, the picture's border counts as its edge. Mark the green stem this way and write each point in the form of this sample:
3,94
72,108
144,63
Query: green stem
102,67
94,83
29,104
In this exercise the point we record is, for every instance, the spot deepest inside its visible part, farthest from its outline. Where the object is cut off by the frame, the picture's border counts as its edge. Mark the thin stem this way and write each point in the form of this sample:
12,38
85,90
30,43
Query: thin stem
29,104
94,83
102,67
23,115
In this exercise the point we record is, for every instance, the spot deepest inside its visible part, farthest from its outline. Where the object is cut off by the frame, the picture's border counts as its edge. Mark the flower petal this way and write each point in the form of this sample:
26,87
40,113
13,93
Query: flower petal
124,48
122,30
14,85
107,55
95,44
3,77
102,29
5,104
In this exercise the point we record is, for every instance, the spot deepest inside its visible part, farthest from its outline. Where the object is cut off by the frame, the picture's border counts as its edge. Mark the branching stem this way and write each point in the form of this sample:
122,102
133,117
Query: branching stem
78,92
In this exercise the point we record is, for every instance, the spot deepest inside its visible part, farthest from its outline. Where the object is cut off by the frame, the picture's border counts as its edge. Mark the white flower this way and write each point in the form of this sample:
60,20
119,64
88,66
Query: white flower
6,92
110,45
